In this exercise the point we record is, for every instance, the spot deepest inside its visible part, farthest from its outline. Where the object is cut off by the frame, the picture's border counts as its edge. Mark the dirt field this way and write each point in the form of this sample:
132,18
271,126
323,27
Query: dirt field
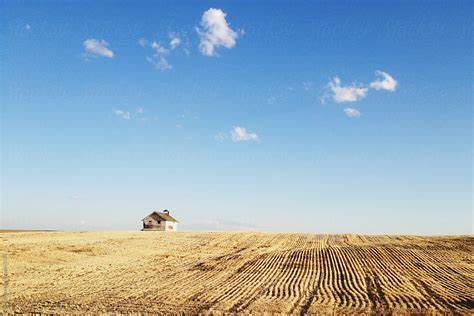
57,272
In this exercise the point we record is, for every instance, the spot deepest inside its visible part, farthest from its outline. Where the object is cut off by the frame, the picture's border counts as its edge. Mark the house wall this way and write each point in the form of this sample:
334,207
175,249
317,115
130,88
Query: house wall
171,226
162,226
150,221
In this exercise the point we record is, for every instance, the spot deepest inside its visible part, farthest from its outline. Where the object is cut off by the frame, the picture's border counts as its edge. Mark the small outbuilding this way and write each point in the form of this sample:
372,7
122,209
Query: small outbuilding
161,221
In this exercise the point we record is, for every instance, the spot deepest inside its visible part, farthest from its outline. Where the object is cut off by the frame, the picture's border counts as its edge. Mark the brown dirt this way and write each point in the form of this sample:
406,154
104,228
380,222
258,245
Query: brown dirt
159,272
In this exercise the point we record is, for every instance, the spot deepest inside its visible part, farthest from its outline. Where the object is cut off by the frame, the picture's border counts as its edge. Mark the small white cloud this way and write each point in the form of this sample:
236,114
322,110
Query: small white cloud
140,110
142,42
158,59
179,126
215,32
174,41
123,114
351,112
27,27
385,83
160,62
346,93
97,48
239,134
161,52
220,137
74,197
83,222
159,49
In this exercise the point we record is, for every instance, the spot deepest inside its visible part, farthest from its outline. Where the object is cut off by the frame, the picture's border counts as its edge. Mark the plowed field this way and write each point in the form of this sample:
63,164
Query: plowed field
157,272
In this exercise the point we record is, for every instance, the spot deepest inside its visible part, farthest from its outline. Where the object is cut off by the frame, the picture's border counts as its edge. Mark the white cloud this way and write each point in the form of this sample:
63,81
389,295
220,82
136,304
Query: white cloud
175,41
355,92
159,62
138,114
159,49
160,53
239,134
159,57
346,93
123,114
28,27
385,83
143,42
220,137
215,32
97,48
351,112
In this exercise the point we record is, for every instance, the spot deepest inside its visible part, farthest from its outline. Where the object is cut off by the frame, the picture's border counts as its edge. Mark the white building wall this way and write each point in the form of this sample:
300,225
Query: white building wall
171,226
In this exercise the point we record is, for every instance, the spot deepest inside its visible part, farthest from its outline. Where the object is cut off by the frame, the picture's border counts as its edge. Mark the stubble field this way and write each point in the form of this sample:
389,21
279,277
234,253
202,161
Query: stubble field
157,272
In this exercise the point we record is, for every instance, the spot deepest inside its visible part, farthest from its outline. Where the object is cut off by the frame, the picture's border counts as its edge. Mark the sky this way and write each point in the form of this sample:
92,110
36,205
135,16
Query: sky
305,116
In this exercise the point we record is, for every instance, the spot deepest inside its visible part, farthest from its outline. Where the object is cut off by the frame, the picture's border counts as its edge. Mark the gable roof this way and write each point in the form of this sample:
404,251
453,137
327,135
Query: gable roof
161,216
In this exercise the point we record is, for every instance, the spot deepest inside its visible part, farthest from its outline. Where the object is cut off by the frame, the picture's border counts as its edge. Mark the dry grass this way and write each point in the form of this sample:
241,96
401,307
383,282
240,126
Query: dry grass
156,272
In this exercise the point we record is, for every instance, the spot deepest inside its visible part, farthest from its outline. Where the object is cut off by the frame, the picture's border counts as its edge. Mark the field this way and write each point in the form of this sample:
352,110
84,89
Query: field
158,272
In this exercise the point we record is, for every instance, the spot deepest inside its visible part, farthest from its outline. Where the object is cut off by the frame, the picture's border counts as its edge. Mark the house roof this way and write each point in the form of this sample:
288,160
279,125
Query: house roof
162,216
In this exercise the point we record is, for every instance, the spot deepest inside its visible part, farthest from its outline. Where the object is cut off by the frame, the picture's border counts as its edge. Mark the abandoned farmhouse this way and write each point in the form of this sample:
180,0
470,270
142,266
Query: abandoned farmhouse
161,221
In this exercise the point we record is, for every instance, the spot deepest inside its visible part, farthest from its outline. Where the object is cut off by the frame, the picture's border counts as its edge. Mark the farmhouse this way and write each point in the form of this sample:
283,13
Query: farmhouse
160,221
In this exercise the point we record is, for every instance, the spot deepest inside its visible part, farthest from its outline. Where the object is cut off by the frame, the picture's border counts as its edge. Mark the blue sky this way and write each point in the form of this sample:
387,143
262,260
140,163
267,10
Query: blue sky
315,116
